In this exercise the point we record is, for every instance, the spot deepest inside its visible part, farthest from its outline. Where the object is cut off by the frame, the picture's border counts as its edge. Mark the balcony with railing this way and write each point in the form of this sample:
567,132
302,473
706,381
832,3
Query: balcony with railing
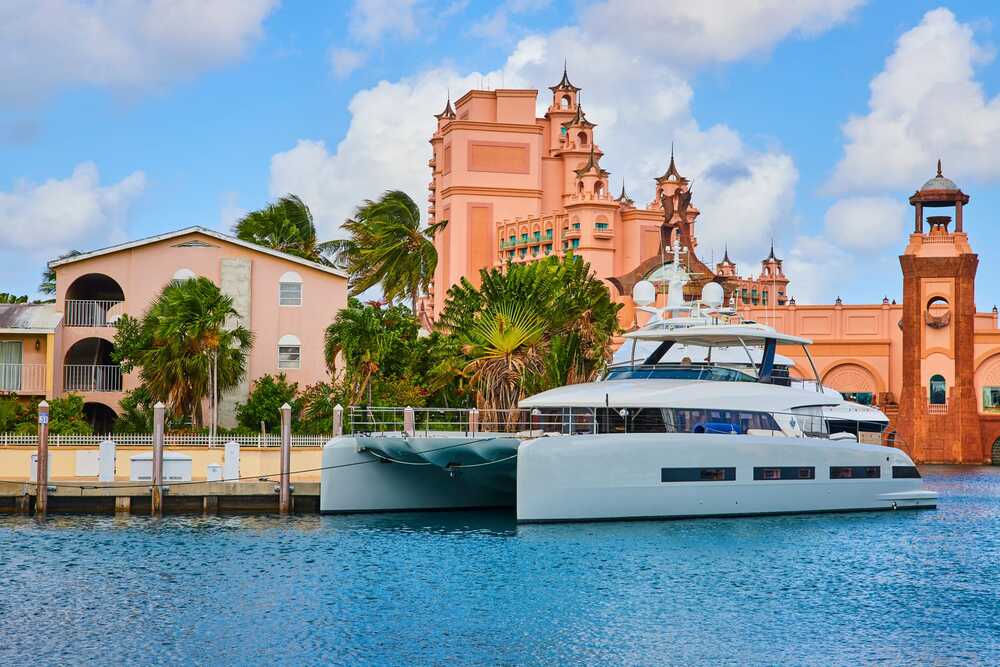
92,312
92,378
22,378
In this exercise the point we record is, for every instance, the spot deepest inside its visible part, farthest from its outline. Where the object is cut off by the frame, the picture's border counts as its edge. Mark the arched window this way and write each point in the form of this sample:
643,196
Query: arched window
289,352
581,138
937,390
290,289
579,187
598,189
184,274
564,102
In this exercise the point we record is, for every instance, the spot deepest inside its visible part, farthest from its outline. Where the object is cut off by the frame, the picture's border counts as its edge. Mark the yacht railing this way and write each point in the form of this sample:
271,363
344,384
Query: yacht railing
525,423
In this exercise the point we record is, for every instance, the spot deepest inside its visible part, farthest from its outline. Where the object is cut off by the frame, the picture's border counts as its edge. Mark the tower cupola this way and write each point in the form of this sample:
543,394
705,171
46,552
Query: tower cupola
938,192
564,94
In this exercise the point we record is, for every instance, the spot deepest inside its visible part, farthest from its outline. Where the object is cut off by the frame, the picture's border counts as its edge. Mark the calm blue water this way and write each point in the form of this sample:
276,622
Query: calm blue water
474,588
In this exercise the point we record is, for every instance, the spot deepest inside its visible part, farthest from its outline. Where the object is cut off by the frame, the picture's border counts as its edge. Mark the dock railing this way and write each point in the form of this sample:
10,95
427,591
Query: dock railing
177,440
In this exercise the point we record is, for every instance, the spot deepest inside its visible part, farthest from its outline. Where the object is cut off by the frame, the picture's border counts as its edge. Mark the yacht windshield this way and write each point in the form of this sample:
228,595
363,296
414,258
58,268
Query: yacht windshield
678,372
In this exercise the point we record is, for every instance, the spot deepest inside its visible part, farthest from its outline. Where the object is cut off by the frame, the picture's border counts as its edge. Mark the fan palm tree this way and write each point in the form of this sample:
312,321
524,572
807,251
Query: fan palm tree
505,347
387,246
189,352
498,323
286,225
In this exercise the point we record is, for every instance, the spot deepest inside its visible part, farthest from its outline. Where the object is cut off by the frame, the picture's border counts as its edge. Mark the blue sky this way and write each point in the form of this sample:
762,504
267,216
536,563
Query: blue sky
809,122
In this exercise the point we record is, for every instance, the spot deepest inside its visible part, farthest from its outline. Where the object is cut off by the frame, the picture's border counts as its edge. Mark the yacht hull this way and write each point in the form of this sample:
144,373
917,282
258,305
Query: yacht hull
393,474
639,476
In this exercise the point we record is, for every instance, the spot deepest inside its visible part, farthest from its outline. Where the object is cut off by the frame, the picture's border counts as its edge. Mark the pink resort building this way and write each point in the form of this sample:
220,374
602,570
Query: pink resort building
517,188
55,349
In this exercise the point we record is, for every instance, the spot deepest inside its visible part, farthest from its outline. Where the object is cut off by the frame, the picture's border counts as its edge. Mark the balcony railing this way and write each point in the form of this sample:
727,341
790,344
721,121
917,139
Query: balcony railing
85,377
22,378
92,313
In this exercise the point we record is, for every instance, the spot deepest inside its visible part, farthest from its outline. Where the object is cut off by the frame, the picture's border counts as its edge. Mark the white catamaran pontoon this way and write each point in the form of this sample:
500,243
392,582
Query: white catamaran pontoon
688,430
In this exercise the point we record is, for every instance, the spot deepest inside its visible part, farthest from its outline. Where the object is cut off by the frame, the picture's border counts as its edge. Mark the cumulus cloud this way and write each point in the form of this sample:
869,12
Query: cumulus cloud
924,104
866,224
817,268
61,214
373,19
46,45
343,62
713,30
636,92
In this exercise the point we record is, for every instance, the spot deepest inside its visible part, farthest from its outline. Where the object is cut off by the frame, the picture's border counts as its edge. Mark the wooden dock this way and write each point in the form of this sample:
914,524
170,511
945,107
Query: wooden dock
79,496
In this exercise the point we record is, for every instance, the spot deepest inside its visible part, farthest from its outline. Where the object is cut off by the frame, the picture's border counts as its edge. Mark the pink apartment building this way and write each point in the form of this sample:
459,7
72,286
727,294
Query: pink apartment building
65,347
517,188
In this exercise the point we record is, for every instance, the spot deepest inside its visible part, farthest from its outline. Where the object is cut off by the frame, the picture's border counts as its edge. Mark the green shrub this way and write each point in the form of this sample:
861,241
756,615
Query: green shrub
264,403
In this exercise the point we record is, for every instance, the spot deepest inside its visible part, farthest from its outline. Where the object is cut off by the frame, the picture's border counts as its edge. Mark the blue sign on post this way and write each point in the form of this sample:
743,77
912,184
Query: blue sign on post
43,419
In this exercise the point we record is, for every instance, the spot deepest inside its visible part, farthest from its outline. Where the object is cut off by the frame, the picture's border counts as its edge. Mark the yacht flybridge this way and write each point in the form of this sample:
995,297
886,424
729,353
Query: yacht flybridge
703,423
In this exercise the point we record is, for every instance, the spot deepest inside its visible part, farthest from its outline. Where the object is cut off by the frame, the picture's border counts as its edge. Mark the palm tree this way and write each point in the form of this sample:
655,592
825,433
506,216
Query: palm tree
505,347
11,298
387,246
285,225
498,323
370,339
189,352
48,285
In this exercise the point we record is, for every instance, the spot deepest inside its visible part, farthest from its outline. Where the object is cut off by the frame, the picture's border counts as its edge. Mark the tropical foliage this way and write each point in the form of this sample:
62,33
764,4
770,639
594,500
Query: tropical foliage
11,298
530,327
182,346
65,416
387,246
263,406
48,284
369,339
286,225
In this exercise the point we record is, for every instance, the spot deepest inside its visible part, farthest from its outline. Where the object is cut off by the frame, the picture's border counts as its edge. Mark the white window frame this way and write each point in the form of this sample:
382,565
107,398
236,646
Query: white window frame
288,343
290,278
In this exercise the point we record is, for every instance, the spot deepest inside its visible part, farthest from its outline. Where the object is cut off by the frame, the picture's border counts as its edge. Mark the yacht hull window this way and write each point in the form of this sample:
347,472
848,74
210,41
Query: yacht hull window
781,473
698,474
855,472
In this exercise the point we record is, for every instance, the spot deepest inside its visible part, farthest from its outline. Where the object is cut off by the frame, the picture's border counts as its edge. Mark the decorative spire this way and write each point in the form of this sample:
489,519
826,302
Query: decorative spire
623,198
939,175
448,113
592,164
672,173
771,256
579,119
564,83
725,255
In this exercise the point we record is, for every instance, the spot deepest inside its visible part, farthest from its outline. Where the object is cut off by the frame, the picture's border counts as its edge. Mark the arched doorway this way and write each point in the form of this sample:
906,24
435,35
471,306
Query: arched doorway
100,417
996,452
854,381
88,366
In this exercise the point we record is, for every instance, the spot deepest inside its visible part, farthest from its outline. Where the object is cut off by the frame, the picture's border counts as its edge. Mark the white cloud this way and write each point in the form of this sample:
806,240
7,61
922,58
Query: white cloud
713,30
230,211
924,104
46,45
636,94
343,62
866,224
60,214
372,19
498,26
817,269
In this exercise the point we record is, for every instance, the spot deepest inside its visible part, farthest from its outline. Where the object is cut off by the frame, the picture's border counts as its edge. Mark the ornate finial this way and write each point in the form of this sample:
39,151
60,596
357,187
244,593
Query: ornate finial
672,172
564,83
725,255
939,168
839,301
771,256
448,112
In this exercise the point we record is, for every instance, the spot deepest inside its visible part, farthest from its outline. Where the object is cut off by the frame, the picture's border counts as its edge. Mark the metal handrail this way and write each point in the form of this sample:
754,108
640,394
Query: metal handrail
22,378
87,377
92,312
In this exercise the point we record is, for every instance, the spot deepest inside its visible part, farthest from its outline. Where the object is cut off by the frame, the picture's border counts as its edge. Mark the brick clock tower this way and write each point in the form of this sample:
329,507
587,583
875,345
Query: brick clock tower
938,420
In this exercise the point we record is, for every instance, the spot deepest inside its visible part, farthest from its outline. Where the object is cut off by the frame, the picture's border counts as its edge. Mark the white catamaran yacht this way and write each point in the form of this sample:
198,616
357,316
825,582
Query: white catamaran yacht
686,431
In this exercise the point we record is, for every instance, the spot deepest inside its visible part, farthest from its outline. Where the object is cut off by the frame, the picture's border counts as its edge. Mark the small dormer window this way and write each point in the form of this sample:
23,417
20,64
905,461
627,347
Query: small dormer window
290,289
564,102
184,274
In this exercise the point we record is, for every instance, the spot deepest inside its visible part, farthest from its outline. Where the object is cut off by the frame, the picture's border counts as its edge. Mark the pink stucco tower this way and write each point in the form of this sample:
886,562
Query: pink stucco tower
516,188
